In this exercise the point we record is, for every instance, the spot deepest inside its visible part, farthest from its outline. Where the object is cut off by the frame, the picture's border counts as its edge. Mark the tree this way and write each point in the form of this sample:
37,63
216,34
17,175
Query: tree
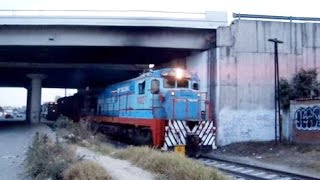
304,85
285,93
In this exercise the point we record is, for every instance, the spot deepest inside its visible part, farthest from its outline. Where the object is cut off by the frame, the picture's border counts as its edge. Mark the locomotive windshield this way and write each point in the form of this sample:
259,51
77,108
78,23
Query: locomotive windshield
169,82
173,83
182,83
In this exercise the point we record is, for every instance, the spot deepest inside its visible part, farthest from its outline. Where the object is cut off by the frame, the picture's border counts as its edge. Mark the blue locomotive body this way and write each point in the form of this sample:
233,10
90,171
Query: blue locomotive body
162,108
170,94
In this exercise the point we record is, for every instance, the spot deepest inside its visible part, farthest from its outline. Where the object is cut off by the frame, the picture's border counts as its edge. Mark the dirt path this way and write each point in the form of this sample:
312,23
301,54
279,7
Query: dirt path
118,169
14,142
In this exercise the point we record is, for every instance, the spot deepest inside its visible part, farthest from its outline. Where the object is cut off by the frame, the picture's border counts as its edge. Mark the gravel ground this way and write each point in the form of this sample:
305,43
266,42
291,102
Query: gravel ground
297,158
14,141
118,169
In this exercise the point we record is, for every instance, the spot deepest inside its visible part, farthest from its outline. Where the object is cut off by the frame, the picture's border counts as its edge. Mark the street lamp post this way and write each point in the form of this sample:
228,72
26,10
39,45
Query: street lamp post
276,89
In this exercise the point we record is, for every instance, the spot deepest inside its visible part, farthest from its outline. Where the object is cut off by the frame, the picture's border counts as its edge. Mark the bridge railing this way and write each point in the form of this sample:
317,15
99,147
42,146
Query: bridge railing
279,18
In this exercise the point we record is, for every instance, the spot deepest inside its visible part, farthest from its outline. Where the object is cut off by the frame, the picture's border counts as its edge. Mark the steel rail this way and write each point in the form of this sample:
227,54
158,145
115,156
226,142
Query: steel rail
250,171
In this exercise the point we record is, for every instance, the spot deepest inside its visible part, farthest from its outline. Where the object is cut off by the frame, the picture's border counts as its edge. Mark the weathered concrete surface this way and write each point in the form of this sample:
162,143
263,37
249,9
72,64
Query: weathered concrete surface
59,35
245,71
245,125
35,105
198,62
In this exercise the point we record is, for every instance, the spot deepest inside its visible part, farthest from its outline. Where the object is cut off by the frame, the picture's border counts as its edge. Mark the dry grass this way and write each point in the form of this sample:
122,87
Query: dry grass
47,159
76,133
166,165
106,149
169,165
85,170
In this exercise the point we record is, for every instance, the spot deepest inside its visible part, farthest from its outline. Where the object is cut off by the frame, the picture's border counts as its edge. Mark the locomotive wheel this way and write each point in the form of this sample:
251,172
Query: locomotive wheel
142,137
94,127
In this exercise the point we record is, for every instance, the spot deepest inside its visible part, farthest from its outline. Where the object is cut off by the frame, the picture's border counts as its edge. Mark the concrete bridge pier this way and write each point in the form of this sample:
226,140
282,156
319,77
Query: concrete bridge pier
34,104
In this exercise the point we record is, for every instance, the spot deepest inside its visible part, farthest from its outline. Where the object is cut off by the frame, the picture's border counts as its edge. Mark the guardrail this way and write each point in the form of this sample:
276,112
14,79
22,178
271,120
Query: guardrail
289,18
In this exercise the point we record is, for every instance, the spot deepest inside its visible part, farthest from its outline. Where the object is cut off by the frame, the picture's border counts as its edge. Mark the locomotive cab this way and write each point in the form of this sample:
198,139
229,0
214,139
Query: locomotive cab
161,107
180,96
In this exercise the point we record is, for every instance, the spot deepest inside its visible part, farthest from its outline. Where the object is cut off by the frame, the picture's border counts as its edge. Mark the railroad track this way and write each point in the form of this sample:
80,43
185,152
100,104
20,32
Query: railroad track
245,171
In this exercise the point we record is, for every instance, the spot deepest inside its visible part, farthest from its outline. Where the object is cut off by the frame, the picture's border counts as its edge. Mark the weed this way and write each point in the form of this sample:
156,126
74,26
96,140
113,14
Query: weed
168,165
47,159
85,170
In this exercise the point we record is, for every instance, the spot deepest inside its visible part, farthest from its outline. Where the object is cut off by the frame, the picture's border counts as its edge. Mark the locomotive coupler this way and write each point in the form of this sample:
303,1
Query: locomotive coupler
193,145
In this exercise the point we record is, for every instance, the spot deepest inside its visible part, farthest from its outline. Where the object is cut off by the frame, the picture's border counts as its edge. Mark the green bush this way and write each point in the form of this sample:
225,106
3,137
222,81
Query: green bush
285,93
47,159
304,84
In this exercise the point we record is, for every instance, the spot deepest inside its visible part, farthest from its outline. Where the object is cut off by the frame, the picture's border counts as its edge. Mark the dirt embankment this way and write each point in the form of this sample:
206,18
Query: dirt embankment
14,142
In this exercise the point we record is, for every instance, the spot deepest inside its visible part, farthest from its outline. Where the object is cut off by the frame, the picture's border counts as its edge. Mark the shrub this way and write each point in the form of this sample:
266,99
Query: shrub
304,85
74,132
168,164
47,159
62,123
85,170
285,93
105,149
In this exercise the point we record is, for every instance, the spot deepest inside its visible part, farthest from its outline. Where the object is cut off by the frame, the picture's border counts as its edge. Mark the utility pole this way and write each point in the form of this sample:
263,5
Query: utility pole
276,91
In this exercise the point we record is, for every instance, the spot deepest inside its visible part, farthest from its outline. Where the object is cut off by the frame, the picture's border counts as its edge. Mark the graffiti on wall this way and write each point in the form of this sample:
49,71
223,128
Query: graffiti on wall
307,118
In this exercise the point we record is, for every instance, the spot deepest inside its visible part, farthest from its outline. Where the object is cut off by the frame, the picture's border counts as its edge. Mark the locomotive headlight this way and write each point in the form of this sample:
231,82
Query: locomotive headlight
198,94
179,73
172,93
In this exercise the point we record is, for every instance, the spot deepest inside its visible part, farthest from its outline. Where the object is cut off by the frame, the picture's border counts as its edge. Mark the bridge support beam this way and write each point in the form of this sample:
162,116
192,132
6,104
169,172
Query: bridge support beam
35,101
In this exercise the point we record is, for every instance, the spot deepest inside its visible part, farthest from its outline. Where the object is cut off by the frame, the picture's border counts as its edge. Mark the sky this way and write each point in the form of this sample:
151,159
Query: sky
17,97
306,8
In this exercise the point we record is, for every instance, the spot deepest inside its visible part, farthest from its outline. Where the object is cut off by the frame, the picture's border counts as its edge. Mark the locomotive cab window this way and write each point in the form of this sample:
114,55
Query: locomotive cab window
142,87
195,86
169,82
155,85
183,83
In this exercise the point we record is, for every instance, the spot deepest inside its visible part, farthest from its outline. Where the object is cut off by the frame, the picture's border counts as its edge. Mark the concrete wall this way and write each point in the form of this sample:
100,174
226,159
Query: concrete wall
198,62
305,121
245,73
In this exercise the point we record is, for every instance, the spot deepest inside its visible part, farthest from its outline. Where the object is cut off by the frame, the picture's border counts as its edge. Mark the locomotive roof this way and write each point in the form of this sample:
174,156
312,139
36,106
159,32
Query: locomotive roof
158,73
154,73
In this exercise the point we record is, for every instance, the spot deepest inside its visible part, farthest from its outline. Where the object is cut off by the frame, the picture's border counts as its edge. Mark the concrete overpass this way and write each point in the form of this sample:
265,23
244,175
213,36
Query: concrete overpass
80,51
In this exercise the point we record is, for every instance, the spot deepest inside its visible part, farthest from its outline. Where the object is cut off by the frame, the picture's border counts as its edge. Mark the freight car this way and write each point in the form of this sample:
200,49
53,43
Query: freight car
71,106
49,111
162,108
80,104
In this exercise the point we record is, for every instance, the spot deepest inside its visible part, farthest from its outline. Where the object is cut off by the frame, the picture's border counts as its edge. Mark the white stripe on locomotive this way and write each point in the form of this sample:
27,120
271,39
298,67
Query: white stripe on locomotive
176,133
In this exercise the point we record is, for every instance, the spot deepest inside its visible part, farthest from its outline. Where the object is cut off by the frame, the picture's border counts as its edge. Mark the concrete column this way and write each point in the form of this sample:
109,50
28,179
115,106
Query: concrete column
35,103
28,103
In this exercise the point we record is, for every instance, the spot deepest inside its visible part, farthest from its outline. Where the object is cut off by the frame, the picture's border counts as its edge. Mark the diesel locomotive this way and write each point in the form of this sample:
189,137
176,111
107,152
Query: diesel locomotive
49,111
162,108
